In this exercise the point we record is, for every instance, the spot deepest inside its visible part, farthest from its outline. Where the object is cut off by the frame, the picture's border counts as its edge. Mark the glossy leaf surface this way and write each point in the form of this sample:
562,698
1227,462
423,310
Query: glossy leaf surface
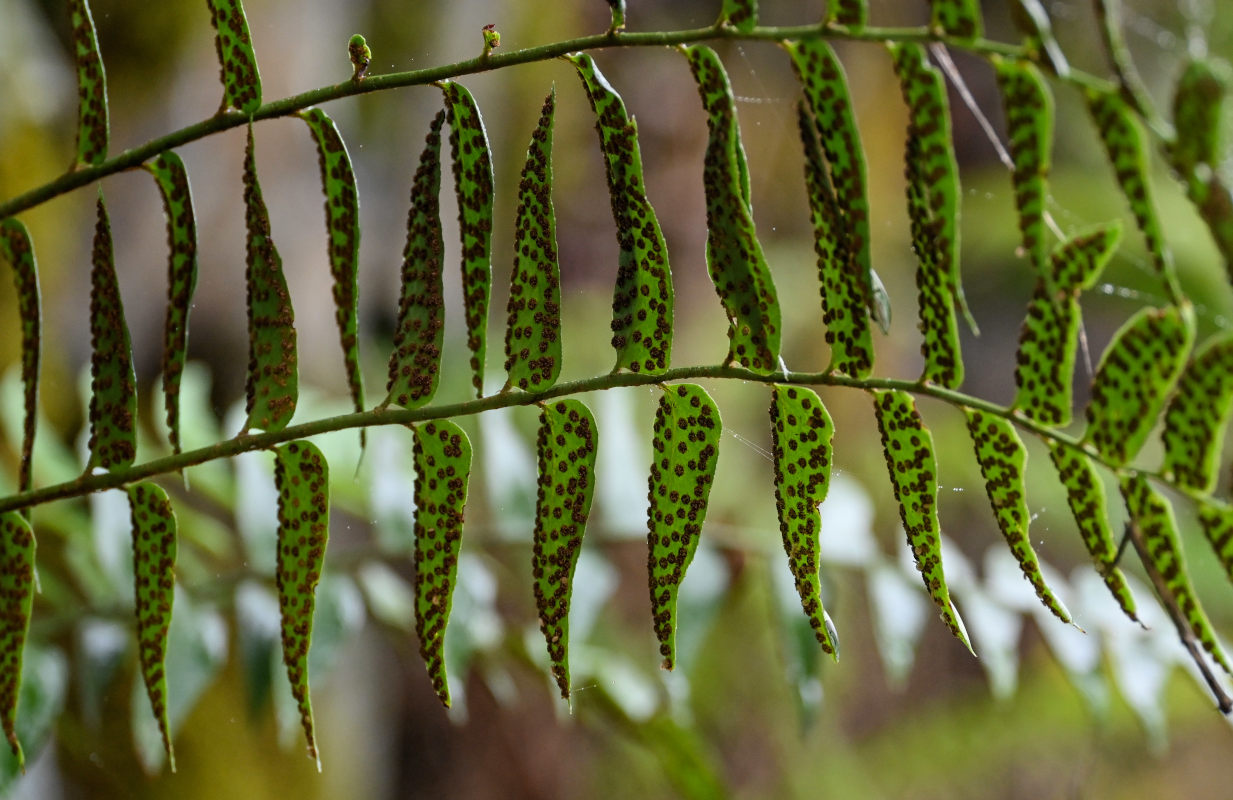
113,385
415,363
442,471
741,14
533,332
566,448
302,478
685,450
1029,123
852,13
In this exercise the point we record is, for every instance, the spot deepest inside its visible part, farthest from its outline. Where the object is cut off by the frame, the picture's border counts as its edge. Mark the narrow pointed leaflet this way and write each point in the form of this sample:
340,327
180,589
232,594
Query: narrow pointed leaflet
843,299
741,14
533,332
415,362
851,13
642,304
1126,147
272,384
685,450
113,385
442,471
1199,103
1154,517
1003,459
1049,339
302,478
826,94
933,208
801,431
1029,129
473,186
18,251
154,559
1198,416
1085,494
16,603
566,451
93,126
958,18
908,447
1216,520
172,179
237,62
734,256
1135,376
342,226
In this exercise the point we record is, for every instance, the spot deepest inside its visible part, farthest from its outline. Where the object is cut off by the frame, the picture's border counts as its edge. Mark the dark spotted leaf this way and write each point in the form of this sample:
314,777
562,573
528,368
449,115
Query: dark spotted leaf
852,13
473,182
1029,123
685,450
1198,416
415,363
1154,517
172,179
1085,494
1135,376
830,105
1033,22
1216,520
342,225
741,14
272,385
618,14
1049,340
1126,147
1198,114
933,208
908,447
566,446
154,559
843,297
237,62
16,603
1003,459
734,255
801,431
113,385
302,478
442,470
642,301
93,127
17,249
533,333
958,18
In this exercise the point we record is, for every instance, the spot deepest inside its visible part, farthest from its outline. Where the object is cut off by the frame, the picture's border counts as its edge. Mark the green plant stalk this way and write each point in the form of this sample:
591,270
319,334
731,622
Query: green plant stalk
134,157
244,443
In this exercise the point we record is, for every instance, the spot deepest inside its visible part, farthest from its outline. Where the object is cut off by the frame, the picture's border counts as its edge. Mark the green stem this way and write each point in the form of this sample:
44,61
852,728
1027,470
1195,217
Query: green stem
134,157
244,443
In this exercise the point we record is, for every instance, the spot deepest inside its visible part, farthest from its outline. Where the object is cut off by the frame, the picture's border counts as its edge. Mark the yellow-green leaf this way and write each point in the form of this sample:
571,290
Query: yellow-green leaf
17,249
1136,374
415,363
685,450
734,255
533,333
302,477
1198,416
93,127
237,62
442,471
1029,123
913,468
741,14
1216,519
566,448
113,385
272,385
801,431
154,559
957,18
1154,516
642,302
16,603
473,187
172,179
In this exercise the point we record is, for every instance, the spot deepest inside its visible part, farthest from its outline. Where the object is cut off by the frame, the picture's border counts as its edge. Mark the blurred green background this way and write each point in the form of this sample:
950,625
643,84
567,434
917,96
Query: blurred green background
752,711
